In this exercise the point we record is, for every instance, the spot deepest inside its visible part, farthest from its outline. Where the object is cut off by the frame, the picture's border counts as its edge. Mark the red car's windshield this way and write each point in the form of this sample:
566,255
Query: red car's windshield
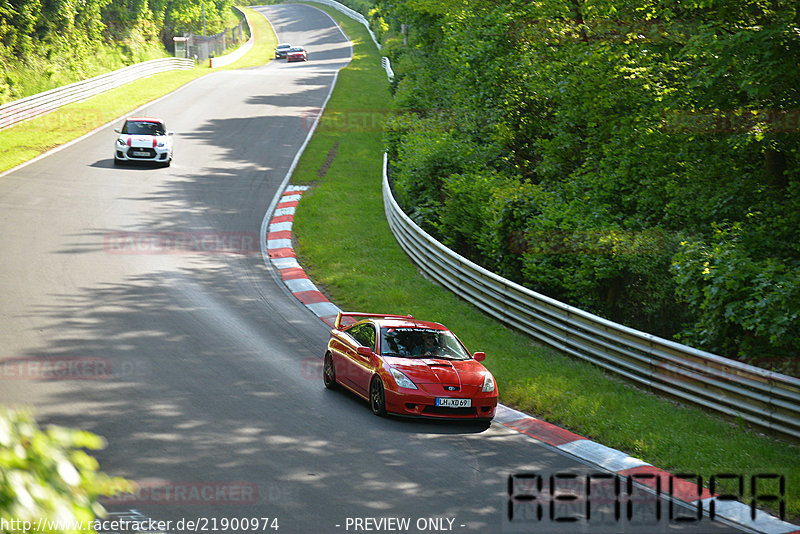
412,342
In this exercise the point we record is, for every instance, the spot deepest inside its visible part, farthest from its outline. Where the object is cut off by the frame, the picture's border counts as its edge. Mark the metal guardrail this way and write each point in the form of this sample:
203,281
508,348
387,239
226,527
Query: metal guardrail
41,103
387,66
763,398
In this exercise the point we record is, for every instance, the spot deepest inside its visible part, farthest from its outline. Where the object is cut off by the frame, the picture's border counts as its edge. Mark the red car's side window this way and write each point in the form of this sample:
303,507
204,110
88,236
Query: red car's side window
364,334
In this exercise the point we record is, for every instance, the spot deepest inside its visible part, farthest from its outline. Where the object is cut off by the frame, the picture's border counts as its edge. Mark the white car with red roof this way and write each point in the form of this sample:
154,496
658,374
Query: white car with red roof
143,139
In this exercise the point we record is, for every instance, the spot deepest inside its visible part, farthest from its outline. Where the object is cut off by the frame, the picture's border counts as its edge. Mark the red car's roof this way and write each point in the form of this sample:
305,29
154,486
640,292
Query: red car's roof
346,319
400,323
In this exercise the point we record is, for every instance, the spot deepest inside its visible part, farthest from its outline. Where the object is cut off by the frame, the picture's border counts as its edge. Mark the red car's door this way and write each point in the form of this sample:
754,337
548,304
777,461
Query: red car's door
362,369
359,367
342,348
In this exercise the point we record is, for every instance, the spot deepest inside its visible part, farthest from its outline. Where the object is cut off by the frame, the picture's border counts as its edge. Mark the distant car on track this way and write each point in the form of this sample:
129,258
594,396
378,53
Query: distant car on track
404,366
297,53
143,139
281,50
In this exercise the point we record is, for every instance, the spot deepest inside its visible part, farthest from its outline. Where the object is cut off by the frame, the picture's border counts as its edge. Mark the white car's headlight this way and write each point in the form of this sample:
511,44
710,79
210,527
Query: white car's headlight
488,384
402,380
121,141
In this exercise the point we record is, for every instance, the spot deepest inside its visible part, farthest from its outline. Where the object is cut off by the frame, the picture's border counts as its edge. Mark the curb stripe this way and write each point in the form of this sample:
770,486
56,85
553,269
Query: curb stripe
292,273
285,226
656,478
281,253
330,320
503,414
284,211
285,263
739,512
300,287
281,234
544,431
310,297
324,309
282,257
606,457
283,218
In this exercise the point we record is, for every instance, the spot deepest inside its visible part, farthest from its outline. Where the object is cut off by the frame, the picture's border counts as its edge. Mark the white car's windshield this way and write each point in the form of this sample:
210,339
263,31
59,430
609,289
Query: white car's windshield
409,342
143,128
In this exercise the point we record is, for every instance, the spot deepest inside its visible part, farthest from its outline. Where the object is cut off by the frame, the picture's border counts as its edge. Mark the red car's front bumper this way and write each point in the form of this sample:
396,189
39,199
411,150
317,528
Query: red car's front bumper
409,403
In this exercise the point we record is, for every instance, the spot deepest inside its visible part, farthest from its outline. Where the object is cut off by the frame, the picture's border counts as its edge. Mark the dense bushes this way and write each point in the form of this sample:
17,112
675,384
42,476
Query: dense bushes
48,43
638,160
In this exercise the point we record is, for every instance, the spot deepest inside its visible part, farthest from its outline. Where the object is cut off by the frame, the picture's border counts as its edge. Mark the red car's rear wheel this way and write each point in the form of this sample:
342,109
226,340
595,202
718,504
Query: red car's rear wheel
328,371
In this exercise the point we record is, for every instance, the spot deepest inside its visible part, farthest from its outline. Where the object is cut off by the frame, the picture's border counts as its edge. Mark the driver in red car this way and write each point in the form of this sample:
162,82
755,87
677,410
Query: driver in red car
428,347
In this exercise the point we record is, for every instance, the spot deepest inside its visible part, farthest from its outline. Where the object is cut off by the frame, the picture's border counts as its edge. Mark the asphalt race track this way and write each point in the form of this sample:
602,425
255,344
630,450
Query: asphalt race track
202,372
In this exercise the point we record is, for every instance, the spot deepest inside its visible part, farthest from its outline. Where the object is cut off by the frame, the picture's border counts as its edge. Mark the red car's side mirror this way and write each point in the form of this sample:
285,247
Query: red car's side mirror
479,356
367,353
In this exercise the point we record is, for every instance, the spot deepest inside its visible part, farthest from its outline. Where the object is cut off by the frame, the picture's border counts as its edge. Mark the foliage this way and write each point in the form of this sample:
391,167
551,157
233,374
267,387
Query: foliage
628,128
48,43
45,474
748,303
426,159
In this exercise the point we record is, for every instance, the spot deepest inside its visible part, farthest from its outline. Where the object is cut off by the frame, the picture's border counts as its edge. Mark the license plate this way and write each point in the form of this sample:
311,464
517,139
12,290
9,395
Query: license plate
454,403
141,153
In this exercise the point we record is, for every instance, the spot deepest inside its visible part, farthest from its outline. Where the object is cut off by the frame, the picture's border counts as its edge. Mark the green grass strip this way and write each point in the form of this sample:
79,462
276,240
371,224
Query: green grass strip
345,245
26,140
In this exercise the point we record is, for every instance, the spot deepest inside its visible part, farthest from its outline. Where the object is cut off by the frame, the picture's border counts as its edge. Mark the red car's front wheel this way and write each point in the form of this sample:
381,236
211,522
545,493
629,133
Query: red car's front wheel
377,397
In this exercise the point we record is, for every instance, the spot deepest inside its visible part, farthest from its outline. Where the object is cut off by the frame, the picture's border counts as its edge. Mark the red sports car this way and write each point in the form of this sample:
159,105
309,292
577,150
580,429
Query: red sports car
408,367
296,53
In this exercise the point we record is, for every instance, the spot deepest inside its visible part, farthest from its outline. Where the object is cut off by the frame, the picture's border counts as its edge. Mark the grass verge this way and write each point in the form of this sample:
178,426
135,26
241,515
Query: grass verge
344,243
28,139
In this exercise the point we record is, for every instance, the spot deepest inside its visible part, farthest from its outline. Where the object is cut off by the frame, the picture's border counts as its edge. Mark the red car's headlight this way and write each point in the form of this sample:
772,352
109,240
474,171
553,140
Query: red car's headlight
402,380
488,384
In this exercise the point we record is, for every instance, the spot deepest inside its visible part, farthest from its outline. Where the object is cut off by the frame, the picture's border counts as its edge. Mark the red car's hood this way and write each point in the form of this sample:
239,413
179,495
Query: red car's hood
437,371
